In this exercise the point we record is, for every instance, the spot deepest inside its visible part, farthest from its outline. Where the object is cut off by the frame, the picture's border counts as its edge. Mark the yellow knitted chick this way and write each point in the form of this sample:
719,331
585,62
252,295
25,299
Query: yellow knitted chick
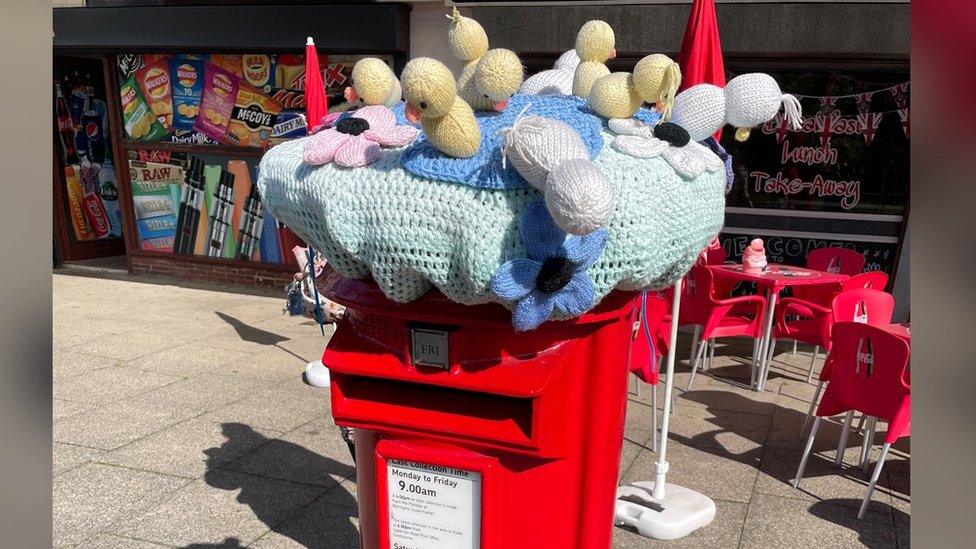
450,125
619,95
373,83
594,46
497,77
657,78
467,38
615,96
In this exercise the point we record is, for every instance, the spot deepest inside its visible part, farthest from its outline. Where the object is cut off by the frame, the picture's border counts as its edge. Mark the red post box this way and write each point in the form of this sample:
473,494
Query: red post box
470,435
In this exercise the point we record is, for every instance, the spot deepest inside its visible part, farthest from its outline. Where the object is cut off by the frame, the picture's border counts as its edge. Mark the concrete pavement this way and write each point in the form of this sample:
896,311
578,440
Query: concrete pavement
180,420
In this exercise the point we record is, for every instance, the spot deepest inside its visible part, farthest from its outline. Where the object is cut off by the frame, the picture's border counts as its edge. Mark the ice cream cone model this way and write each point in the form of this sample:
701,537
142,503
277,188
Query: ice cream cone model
754,257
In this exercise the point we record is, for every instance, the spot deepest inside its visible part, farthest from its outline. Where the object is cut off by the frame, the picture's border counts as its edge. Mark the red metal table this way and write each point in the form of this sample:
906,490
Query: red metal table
773,280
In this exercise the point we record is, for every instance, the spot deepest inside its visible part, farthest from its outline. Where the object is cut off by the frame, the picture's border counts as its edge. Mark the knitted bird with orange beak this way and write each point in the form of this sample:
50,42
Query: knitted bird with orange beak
431,96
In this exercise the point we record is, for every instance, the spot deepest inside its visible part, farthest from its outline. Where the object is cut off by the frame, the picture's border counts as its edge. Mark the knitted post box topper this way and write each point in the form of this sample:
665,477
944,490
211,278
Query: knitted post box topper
411,232
755,98
373,83
432,100
594,46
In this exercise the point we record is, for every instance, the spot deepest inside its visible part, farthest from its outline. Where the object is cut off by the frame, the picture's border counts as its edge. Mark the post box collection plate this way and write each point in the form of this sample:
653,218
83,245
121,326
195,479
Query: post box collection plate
430,347
433,507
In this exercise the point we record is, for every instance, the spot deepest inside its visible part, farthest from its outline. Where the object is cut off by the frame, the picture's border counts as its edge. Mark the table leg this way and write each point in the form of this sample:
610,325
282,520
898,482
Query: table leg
767,337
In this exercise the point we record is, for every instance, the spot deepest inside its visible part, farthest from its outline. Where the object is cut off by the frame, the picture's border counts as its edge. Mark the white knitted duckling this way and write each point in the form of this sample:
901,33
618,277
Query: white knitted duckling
754,99
700,110
553,158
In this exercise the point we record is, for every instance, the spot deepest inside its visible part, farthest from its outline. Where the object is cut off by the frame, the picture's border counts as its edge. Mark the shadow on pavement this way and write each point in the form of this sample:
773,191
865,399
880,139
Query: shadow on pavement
250,333
333,529
843,512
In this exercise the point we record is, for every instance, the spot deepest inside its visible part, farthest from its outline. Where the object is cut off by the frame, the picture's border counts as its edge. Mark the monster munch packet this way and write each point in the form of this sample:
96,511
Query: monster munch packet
219,95
139,121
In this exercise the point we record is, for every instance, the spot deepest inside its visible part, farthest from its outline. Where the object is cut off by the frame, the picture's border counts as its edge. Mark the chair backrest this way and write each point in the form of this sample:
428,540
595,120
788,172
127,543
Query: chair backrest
697,295
872,279
870,375
643,356
864,305
836,260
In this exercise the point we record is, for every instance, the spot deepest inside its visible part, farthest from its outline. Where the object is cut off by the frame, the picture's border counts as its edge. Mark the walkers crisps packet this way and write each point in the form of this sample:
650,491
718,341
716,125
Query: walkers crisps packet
219,94
140,123
253,118
187,75
155,85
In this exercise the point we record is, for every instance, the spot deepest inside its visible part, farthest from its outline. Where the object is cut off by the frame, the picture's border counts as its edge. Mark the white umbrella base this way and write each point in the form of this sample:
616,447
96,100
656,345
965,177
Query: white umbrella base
679,513
316,374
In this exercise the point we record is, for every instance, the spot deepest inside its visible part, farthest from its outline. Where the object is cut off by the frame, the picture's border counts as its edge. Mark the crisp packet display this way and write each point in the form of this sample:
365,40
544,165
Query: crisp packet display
253,118
155,85
139,121
219,95
187,75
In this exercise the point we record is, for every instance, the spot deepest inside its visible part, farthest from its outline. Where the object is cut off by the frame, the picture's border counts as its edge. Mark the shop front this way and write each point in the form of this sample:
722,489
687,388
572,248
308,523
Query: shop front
164,113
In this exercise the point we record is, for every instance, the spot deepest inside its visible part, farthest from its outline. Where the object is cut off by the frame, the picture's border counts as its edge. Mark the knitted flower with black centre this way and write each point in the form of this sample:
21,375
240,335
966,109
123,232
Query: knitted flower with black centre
669,141
553,277
356,140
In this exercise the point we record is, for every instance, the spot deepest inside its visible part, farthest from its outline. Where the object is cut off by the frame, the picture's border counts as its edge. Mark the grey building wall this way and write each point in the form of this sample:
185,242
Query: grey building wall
817,28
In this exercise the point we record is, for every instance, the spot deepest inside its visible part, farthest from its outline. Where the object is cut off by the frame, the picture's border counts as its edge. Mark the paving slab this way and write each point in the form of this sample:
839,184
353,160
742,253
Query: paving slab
190,448
115,425
275,408
223,505
110,384
68,363
203,392
65,408
783,522
91,497
109,541
186,360
130,345
275,365
67,456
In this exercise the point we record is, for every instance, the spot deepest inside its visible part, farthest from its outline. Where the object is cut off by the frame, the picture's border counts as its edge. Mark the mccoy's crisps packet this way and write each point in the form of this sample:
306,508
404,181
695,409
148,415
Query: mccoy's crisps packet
140,123
253,118
187,75
219,94
154,82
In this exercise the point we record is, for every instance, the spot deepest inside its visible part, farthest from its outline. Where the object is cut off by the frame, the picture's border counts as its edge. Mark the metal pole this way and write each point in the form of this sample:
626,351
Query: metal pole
661,466
315,290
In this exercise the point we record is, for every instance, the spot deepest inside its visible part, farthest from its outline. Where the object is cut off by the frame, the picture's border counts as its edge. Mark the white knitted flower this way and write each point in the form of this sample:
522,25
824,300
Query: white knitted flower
637,139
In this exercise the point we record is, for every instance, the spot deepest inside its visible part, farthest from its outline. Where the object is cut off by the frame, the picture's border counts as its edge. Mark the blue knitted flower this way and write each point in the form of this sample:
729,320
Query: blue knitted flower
553,276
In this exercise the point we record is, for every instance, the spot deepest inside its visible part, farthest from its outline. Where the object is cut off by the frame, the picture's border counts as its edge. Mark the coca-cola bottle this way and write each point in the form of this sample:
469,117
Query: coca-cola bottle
66,128
865,357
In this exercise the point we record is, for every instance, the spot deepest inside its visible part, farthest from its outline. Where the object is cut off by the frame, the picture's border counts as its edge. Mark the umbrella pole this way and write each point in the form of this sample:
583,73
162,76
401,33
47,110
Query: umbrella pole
656,509
661,466
315,290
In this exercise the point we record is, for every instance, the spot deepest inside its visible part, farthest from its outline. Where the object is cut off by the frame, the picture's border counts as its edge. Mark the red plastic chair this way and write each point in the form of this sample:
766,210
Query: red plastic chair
833,260
862,305
719,316
649,347
871,376
809,321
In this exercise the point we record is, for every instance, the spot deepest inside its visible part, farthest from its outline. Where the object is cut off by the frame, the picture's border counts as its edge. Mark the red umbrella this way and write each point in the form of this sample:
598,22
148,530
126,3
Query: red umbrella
701,50
316,100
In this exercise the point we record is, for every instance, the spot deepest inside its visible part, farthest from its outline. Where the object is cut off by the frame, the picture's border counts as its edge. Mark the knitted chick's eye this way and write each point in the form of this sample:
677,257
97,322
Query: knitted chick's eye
423,104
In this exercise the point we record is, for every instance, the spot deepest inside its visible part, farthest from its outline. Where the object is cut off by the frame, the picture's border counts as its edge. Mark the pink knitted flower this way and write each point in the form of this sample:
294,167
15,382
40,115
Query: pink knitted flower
356,140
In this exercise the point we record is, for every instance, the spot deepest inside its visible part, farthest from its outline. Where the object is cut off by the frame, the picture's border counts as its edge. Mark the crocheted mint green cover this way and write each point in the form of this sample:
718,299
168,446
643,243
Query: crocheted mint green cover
410,233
